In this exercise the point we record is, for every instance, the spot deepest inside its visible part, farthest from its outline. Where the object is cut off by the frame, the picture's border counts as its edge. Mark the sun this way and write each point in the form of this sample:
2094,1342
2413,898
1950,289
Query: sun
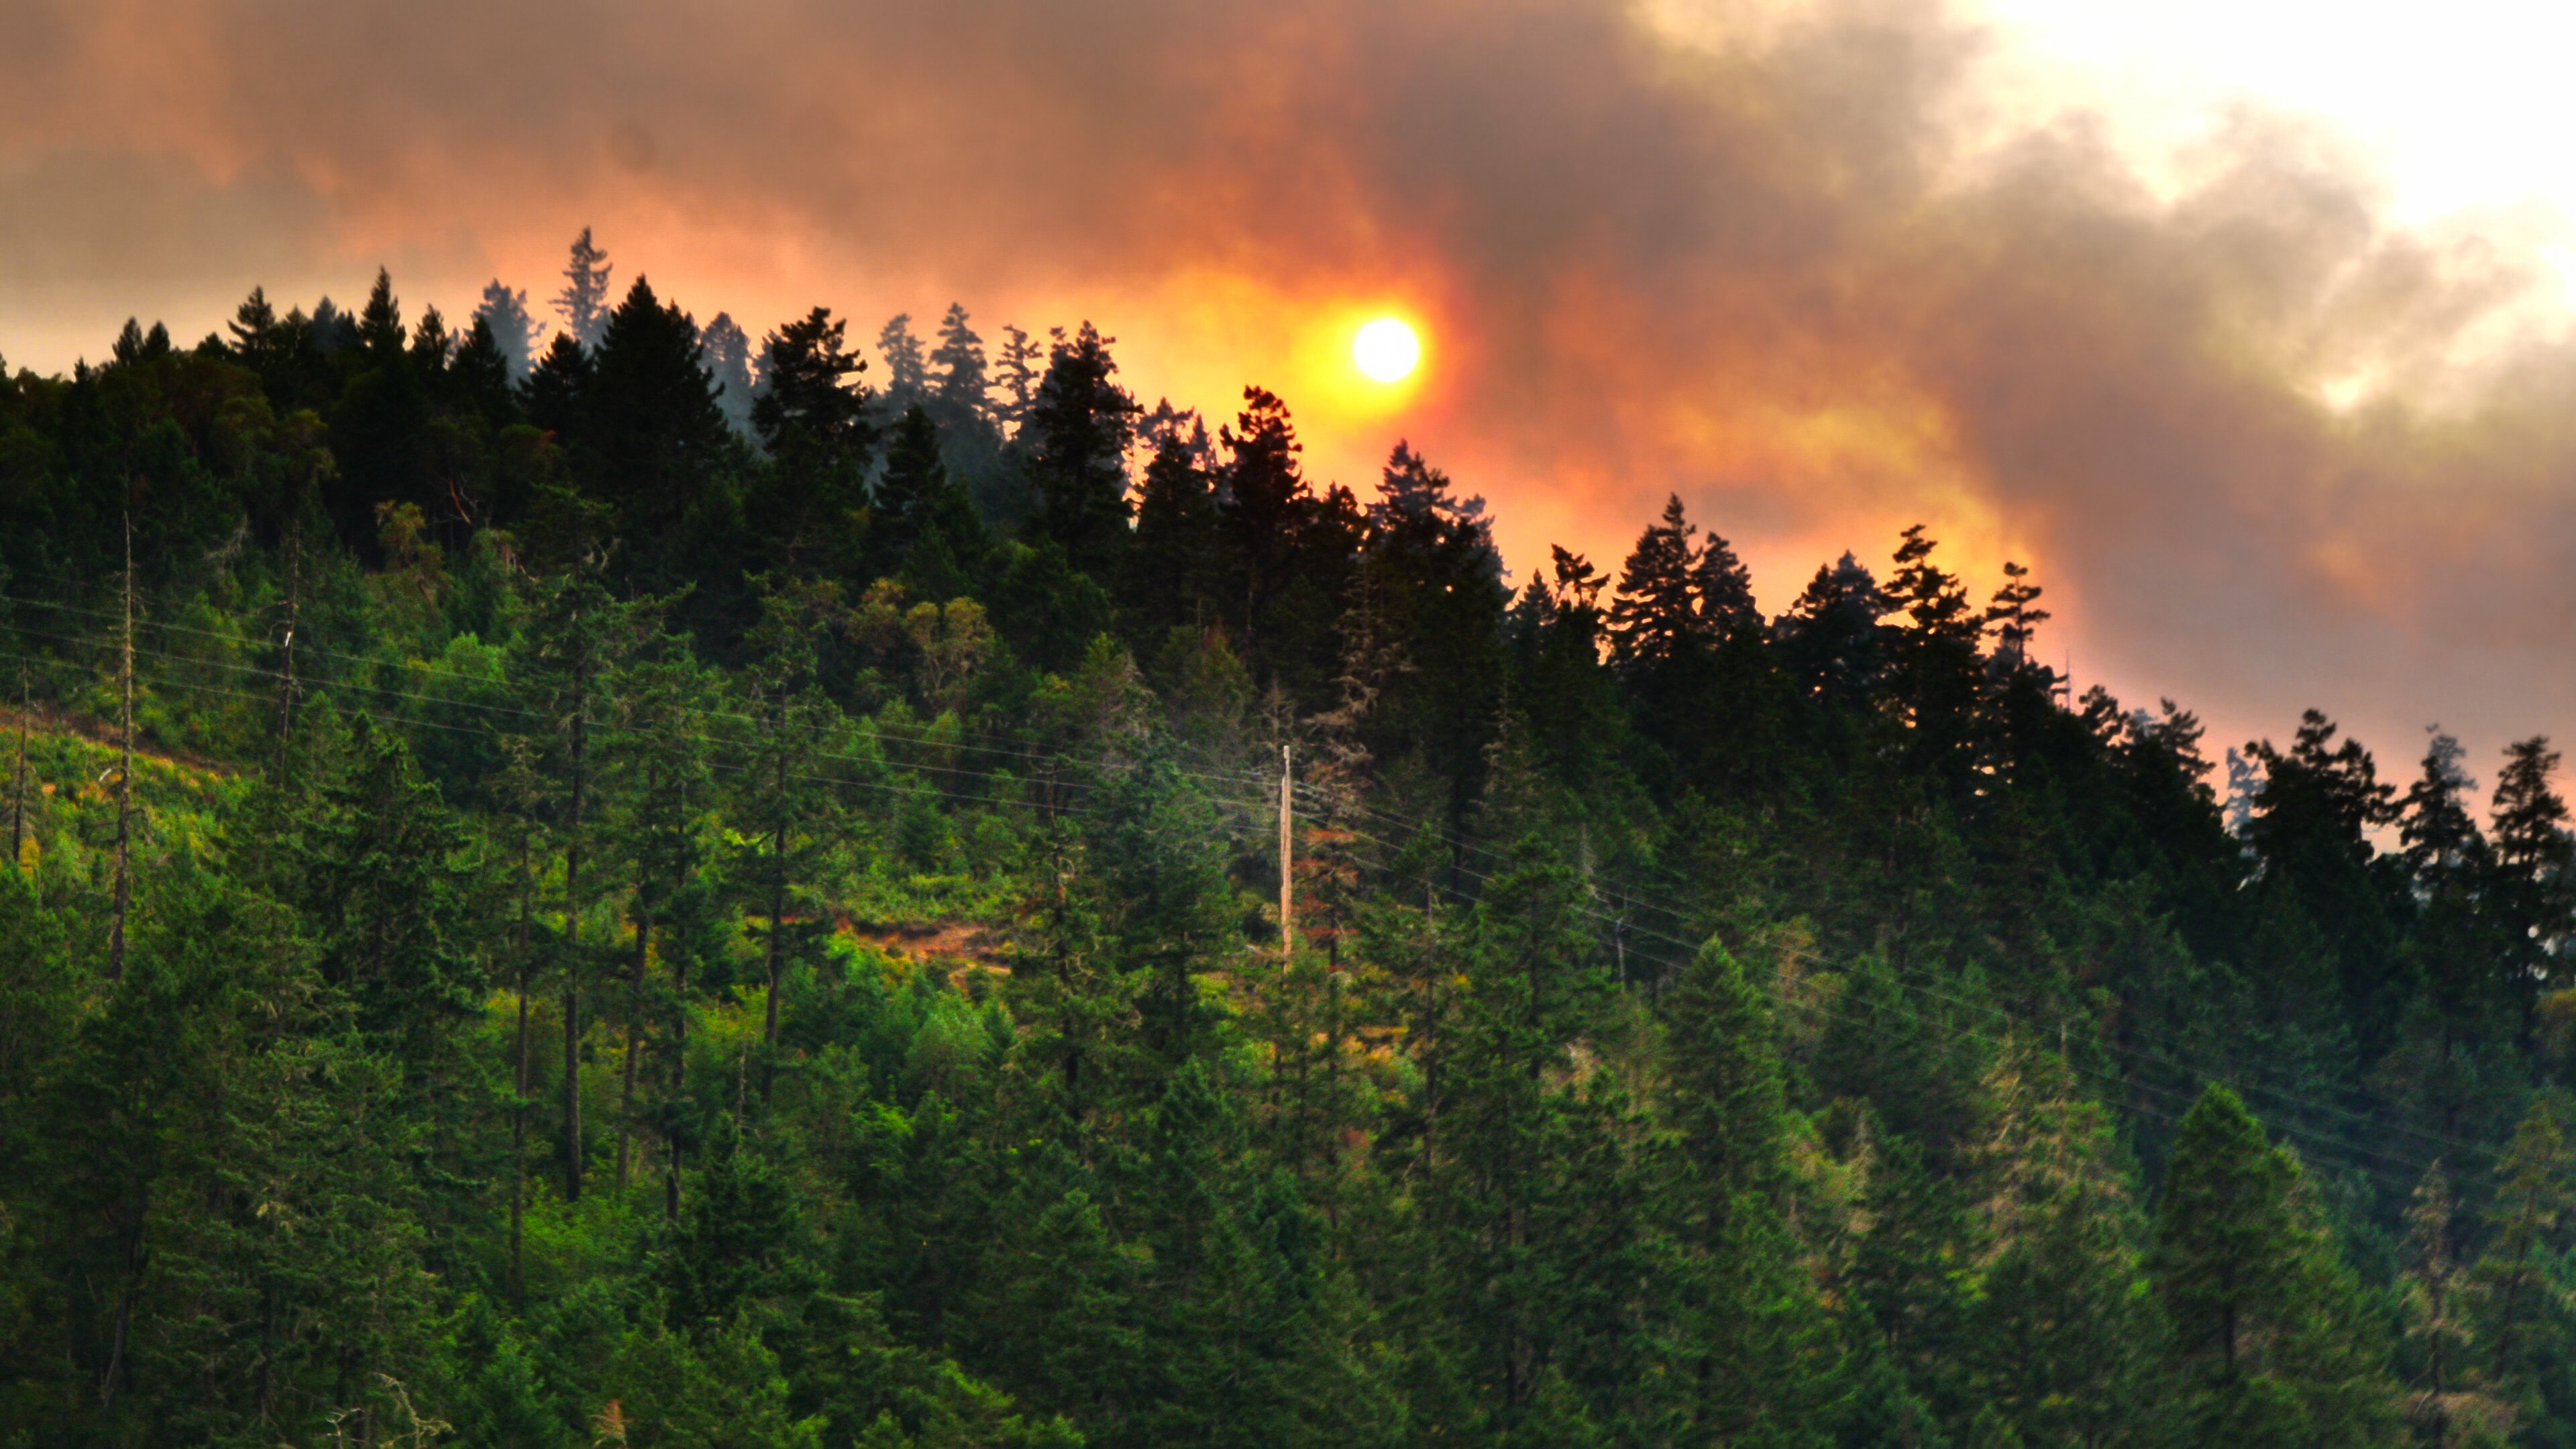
1386,350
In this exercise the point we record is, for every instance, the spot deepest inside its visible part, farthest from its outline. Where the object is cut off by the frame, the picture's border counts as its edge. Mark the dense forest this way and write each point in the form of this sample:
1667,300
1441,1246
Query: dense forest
660,890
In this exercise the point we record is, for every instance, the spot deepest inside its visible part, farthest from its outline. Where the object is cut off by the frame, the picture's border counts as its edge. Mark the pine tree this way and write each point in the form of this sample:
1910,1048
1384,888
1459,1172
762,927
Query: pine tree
1079,427
577,632
556,391
1654,620
653,436
960,386
2066,1338
2535,872
813,416
2437,1325
786,806
1265,503
728,358
1751,1347
505,311
1015,375
657,787
1722,589
923,522
2013,619
583,303
2513,1282
1935,673
907,372
1831,640
2271,1344
1170,575
377,876
805,400
480,378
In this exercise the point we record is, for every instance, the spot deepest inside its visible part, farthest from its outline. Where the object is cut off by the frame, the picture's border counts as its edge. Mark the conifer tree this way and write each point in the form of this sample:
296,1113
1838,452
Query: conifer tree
907,370
2013,619
1170,573
505,311
583,303
657,786
2515,1278
2311,823
1831,639
813,416
1080,425
653,436
1722,589
1015,376
577,632
556,390
2066,1339
2271,1344
2437,1325
1266,499
1653,618
922,522
1750,1346
786,803
959,387
2535,886
728,357
482,374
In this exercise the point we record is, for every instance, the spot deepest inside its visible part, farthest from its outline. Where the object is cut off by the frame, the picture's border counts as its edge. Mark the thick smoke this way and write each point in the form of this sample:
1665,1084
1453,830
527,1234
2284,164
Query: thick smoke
2266,450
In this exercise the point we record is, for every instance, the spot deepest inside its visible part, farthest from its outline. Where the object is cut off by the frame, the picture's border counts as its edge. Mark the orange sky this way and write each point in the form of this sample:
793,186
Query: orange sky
2266,448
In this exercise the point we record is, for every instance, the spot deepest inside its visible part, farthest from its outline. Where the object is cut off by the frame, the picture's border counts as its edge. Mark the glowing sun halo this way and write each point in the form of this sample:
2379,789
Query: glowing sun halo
1386,350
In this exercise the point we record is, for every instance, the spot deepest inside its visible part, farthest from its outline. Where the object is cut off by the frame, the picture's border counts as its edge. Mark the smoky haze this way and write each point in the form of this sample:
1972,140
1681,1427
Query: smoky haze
1803,266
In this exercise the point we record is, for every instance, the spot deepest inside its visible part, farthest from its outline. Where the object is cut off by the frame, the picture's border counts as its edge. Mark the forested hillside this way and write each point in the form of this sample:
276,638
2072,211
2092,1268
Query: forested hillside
683,892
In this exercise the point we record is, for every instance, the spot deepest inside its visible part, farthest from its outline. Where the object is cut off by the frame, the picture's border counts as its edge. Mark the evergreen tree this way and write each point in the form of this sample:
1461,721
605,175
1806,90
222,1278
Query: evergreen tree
1079,427
2270,1343
907,372
2535,887
654,440
2516,1277
1170,574
1653,618
812,415
1830,639
514,331
786,802
1749,1346
1722,589
556,390
923,521
2311,824
728,358
577,633
1015,376
583,303
2066,1339
2013,619
960,385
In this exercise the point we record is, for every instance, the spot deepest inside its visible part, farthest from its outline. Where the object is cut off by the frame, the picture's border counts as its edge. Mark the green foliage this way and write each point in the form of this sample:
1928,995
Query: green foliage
2270,1341
779,943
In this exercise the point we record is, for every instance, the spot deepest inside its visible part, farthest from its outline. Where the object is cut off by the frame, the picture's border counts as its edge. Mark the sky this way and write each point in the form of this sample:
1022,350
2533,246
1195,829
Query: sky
2244,324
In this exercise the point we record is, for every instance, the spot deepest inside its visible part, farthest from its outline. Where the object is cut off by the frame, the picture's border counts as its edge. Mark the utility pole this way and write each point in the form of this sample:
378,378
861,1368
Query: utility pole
286,676
1287,923
125,767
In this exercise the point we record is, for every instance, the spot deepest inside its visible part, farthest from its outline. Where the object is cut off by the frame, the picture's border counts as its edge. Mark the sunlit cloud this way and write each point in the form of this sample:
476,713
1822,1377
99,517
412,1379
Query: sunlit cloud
1823,270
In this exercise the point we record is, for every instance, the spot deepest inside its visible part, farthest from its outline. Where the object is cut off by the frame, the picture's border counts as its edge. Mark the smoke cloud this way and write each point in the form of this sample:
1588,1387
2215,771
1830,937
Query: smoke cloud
1805,267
